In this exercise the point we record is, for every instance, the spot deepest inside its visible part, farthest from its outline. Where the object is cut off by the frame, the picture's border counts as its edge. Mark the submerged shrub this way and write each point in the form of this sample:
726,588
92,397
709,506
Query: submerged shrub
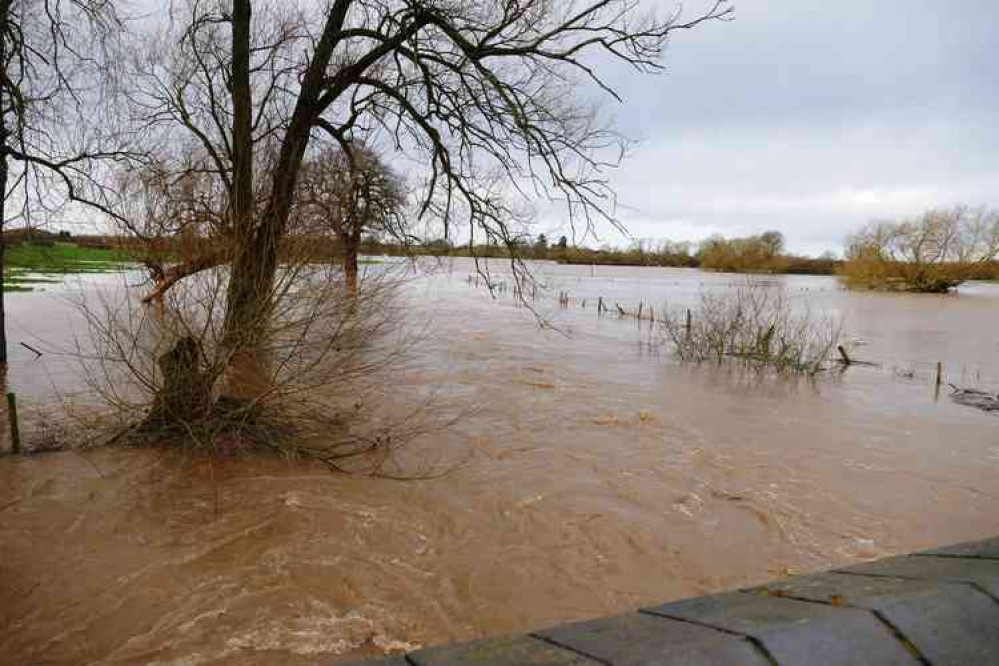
756,326
322,383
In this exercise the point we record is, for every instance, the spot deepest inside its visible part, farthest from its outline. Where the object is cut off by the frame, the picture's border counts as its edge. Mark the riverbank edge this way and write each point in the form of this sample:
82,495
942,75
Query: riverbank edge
931,607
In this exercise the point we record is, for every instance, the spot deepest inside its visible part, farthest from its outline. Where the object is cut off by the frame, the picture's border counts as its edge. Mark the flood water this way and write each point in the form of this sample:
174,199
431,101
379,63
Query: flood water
589,475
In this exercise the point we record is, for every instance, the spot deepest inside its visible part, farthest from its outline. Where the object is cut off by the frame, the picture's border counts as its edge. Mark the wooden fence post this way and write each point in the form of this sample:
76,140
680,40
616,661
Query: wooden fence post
843,355
15,431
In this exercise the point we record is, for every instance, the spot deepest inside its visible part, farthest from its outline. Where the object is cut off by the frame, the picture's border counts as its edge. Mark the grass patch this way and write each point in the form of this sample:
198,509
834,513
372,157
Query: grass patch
65,258
28,264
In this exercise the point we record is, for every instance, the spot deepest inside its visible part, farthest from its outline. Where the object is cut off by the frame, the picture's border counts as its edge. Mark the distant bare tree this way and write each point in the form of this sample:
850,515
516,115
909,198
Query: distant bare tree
351,192
932,253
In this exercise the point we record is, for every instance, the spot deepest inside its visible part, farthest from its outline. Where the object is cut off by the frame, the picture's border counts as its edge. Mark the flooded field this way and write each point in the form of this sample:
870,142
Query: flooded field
591,475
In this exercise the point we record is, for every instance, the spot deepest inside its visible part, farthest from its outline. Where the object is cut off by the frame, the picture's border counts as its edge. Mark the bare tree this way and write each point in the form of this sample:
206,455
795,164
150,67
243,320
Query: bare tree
328,393
481,93
351,192
932,253
56,139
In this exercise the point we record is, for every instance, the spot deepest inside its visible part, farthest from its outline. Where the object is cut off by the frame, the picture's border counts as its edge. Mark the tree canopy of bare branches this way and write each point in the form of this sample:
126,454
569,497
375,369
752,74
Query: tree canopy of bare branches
482,96
57,140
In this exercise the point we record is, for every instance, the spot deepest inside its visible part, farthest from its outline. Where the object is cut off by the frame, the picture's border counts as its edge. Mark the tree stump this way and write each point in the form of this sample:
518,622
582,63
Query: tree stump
186,394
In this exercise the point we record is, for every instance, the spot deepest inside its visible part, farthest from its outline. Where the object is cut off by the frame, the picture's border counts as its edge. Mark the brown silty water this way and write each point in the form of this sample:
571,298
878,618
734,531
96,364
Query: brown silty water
593,476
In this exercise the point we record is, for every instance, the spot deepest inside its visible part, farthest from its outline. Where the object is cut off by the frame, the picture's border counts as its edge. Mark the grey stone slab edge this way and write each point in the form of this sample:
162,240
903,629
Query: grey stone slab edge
739,633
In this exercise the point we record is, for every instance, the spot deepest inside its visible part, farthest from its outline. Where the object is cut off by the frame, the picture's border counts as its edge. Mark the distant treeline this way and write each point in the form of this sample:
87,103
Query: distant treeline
763,253
13,237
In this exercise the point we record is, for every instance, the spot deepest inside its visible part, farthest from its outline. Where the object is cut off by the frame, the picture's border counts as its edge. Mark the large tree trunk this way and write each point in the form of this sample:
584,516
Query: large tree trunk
250,278
256,239
249,305
254,261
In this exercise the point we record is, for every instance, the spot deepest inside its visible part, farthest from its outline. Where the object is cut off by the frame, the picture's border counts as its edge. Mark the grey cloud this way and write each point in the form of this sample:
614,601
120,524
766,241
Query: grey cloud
812,117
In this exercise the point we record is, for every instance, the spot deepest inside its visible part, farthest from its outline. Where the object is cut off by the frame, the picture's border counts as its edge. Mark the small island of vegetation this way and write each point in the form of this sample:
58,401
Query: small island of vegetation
933,253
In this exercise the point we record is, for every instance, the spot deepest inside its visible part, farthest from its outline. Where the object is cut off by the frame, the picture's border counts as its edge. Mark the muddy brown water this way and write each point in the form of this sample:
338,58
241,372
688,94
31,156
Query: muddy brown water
596,476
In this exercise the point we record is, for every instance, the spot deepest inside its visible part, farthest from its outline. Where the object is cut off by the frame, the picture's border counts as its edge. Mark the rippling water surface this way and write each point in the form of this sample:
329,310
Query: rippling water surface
594,476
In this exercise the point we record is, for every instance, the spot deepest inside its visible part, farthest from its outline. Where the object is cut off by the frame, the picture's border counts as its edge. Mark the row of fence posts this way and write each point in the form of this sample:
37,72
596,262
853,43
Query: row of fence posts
564,302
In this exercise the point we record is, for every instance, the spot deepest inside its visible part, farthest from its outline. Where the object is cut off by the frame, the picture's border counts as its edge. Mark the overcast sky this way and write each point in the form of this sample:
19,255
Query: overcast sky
812,117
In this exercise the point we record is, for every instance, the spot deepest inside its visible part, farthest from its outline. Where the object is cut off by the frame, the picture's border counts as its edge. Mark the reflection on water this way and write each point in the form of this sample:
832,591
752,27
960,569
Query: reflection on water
596,477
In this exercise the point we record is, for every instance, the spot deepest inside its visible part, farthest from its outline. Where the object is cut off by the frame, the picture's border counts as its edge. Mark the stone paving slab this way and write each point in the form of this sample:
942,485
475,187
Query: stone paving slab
945,623
797,632
638,638
978,571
